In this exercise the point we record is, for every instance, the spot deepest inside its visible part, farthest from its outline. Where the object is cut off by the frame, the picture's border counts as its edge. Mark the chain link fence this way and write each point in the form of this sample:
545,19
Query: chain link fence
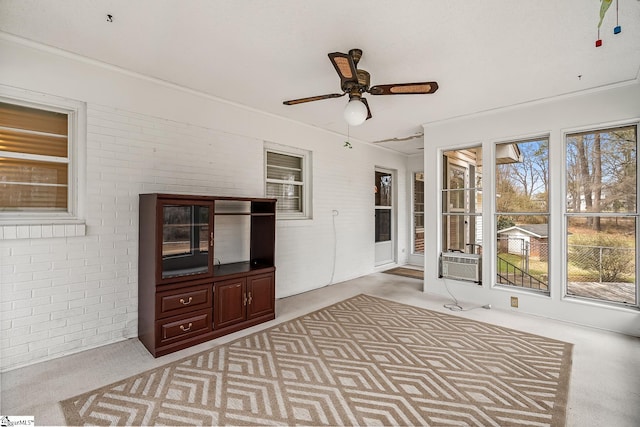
602,264
586,263
600,272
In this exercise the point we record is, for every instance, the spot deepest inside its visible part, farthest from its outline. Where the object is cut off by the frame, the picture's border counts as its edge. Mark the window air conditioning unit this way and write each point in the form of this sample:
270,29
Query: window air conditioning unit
461,266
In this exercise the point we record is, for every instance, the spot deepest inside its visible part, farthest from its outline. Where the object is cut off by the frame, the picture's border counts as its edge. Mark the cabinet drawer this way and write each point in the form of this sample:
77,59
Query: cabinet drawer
184,301
178,328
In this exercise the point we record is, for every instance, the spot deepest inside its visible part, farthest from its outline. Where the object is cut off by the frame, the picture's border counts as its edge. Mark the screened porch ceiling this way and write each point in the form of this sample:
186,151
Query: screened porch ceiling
484,55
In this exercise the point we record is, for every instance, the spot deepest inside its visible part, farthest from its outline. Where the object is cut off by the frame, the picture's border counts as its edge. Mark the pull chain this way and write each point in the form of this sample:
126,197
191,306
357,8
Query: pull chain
347,143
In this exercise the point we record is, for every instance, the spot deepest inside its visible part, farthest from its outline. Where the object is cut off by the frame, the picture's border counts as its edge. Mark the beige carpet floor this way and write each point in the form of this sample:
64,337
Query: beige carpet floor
362,361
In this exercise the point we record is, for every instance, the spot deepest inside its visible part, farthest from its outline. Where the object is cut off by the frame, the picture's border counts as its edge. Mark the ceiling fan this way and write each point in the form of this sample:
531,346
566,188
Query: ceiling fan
355,82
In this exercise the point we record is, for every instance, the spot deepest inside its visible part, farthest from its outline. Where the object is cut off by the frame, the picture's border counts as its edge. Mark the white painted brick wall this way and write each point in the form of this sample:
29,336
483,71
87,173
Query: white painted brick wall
61,295
69,287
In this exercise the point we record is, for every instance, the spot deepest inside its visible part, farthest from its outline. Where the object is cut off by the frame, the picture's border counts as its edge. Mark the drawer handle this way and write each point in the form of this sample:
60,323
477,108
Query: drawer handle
250,298
187,329
183,302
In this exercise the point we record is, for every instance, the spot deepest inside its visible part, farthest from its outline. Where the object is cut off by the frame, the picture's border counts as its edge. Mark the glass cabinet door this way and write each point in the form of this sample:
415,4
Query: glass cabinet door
187,239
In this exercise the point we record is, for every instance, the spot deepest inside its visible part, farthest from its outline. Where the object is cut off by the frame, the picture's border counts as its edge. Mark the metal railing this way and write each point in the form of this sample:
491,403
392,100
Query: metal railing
510,274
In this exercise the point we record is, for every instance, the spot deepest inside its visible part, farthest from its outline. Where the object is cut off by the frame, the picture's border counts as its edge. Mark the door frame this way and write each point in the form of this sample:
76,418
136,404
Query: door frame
394,219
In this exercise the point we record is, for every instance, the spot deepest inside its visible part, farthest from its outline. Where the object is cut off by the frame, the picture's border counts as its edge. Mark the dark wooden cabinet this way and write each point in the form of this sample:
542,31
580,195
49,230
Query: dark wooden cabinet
206,268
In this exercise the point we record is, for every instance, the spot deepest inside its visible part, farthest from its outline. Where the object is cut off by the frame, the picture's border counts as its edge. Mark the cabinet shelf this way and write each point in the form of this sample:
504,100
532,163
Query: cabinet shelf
223,270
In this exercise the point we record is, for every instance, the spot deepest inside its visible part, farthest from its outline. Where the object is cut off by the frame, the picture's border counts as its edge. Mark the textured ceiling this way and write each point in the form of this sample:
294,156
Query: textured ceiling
484,54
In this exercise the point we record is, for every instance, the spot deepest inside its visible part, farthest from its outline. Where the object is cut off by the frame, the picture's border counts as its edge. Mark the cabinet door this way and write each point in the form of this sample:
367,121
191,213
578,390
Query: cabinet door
260,295
230,302
186,235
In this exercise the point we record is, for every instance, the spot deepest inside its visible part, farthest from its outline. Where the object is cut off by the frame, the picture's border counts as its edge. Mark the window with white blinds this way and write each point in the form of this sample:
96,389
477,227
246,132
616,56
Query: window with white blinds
34,161
286,174
42,152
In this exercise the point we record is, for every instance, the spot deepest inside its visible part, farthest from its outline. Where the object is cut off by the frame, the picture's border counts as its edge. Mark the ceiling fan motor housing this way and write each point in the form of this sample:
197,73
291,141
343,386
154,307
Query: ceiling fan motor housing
360,86
364,78
355,54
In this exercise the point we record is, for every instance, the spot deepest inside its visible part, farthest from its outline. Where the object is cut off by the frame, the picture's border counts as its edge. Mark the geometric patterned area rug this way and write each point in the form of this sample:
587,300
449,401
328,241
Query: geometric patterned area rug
362,361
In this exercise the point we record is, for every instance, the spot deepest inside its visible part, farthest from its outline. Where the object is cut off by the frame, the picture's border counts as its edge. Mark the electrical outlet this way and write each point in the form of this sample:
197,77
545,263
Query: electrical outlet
514,302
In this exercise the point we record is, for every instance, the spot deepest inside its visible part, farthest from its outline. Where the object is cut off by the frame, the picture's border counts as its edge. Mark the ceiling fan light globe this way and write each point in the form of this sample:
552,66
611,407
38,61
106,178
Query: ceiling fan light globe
355,113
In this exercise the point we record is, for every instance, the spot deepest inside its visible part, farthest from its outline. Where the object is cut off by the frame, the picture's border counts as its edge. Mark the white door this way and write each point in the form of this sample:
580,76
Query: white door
384,217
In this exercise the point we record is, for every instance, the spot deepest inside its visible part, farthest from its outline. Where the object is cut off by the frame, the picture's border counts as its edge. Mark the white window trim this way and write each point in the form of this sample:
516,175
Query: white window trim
53,224
460,213
550,286
306,178
579,299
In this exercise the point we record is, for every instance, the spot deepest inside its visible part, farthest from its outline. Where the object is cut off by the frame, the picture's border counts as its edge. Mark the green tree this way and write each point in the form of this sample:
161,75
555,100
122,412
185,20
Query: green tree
505,222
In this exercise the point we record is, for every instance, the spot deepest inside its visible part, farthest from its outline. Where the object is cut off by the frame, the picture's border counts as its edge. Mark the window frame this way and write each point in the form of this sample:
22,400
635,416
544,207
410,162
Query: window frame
601,127
548,214
467,212
76,112
305,184
415,213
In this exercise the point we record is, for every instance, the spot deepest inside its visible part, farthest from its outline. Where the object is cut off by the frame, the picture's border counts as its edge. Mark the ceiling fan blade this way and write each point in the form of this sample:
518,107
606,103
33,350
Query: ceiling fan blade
364,101
404,88
345,67
313,98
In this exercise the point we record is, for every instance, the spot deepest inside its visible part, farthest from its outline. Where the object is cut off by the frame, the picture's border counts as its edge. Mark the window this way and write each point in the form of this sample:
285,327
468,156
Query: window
287,179
601,215
383,205
418,213
39,156
462,201
522,214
